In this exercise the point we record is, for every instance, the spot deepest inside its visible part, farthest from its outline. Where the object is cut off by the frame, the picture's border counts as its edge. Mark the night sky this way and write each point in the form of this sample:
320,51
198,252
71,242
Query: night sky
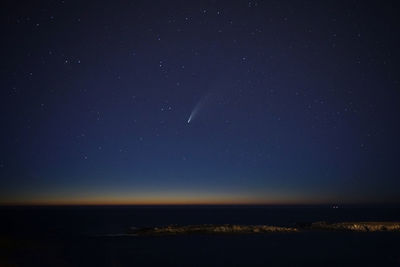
290,102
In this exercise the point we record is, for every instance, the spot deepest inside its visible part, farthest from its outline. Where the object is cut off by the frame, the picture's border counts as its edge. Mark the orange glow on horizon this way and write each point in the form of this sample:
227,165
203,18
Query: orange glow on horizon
148,201
159,199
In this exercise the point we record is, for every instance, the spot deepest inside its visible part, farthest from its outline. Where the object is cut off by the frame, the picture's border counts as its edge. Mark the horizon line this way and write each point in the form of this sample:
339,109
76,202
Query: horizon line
189,204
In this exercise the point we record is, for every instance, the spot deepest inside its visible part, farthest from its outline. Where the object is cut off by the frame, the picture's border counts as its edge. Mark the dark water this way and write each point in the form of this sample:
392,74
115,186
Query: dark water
77,236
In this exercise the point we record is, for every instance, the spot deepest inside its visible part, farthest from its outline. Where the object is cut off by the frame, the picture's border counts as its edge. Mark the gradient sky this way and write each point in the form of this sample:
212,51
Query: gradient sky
295,102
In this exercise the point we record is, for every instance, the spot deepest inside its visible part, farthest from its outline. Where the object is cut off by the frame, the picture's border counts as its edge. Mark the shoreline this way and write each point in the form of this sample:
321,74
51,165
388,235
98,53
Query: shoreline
259,229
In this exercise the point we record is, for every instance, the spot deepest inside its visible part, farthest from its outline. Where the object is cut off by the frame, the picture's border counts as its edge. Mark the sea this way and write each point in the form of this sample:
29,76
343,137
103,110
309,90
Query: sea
97,236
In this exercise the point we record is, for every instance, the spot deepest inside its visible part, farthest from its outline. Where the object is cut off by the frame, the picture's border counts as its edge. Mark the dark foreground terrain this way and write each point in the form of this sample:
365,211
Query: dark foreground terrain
259,229
97,236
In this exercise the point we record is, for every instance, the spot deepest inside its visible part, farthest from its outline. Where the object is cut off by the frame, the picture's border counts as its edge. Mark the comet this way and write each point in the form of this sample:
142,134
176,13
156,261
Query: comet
195,110
204,101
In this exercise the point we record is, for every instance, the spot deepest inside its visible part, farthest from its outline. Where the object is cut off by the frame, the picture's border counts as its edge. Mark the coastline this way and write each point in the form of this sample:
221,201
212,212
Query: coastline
259,229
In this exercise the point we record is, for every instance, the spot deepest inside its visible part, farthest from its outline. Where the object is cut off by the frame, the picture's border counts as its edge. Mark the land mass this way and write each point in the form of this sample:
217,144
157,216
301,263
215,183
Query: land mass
358,226
257,229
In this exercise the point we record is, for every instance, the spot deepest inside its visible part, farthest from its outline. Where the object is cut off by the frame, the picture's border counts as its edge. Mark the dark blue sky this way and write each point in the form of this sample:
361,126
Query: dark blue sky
298,102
